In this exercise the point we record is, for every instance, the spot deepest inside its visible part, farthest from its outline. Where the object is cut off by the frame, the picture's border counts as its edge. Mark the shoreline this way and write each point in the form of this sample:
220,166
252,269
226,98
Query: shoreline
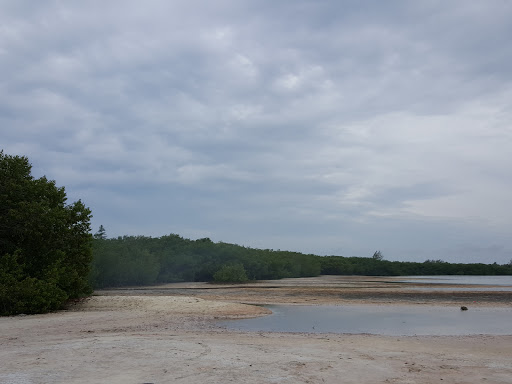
335,290
156,338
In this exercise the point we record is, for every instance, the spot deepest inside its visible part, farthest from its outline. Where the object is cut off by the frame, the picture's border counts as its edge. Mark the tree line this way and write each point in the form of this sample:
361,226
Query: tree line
338,265
140,260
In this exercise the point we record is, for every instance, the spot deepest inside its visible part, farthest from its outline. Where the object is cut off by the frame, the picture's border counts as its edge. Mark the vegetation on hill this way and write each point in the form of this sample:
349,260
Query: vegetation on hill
140,260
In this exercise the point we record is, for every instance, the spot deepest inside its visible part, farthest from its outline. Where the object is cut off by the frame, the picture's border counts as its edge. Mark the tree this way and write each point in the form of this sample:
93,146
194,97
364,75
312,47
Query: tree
377,255
45,244
101,234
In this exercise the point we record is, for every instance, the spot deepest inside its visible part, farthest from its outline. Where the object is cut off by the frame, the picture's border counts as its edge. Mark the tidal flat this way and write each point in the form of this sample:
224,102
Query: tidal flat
171,334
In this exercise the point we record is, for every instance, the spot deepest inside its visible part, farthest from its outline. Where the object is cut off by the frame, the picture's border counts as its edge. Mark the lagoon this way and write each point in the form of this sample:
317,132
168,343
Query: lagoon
392,320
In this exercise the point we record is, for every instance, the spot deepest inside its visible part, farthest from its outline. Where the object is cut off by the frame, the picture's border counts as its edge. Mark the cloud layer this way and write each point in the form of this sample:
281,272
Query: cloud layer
317,126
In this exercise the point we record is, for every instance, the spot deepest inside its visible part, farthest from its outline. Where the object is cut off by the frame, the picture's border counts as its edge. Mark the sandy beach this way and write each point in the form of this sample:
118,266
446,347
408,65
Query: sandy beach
168,334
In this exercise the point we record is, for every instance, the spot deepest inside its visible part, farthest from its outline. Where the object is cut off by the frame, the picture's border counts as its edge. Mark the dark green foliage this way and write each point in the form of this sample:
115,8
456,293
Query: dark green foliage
133,260
139,260
231,274
123,261
20,293
337,265
45,245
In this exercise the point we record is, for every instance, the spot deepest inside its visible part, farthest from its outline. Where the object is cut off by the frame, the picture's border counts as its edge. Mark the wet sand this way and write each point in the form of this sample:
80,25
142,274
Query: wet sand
167,334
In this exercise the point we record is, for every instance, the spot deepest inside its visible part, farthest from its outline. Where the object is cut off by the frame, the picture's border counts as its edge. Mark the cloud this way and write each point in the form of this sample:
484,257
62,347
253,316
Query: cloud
316,126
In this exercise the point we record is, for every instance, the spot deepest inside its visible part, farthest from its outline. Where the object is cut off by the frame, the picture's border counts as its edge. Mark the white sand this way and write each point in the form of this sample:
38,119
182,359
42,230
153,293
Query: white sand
166,339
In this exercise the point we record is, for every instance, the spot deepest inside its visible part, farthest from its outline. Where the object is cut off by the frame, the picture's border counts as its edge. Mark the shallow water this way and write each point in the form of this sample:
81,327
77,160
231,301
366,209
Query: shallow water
462,289
381,320
467,283
505,281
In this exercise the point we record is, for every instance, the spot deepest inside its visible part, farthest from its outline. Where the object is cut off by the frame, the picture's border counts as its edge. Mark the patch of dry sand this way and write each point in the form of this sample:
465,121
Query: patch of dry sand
174,305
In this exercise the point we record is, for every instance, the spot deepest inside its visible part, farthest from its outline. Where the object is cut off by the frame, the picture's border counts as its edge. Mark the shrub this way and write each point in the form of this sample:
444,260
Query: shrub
231,274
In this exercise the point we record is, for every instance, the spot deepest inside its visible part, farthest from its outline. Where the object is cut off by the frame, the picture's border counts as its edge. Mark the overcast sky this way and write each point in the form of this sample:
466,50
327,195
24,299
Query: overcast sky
326,127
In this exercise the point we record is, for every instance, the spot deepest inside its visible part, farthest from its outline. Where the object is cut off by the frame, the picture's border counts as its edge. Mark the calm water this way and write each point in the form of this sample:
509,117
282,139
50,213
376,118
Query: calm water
382,320
468,283
505,281
462,289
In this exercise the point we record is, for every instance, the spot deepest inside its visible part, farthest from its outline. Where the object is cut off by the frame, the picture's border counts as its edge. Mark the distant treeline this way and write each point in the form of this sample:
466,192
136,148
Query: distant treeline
140,260
338,265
